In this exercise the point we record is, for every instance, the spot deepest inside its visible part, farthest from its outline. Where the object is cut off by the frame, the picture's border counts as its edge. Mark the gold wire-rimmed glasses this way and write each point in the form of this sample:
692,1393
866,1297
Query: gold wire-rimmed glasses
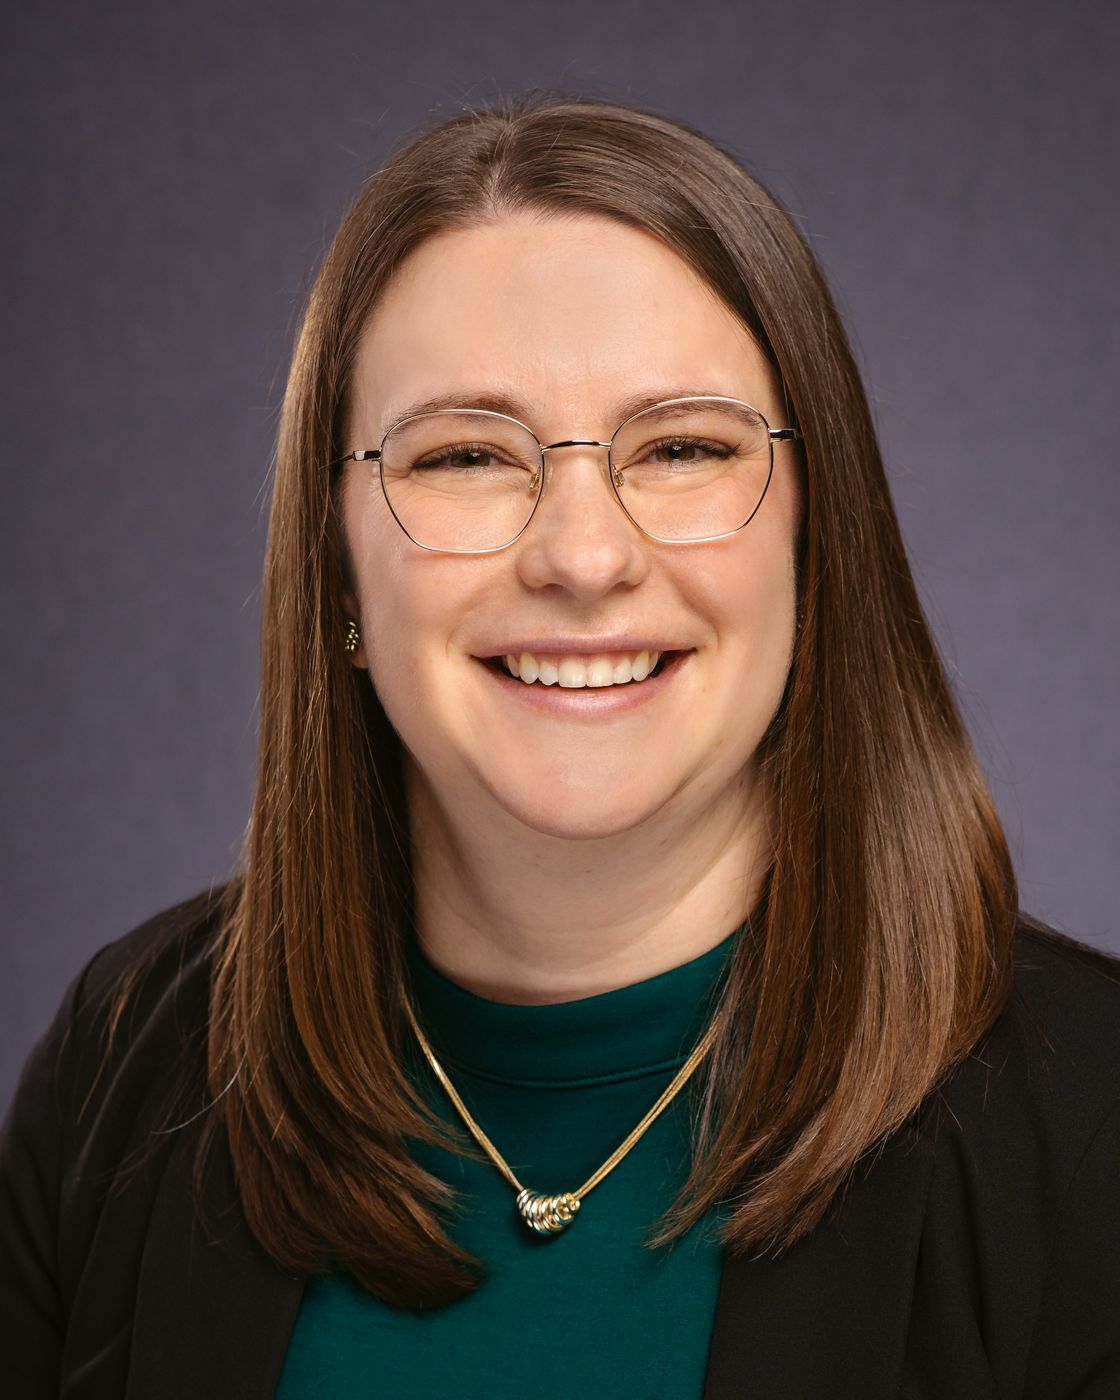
469,480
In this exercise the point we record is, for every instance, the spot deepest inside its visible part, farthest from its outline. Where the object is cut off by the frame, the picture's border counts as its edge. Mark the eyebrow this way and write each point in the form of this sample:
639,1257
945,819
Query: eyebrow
497,402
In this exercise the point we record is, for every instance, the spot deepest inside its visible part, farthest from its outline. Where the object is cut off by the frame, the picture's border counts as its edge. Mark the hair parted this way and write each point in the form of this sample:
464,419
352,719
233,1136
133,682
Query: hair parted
880,950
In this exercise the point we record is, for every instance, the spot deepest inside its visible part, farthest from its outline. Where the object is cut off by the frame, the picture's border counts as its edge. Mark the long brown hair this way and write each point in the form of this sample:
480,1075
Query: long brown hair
880,950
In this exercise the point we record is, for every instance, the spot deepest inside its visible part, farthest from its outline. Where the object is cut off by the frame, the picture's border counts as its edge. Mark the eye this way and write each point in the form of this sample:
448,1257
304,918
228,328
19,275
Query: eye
461,456
685,450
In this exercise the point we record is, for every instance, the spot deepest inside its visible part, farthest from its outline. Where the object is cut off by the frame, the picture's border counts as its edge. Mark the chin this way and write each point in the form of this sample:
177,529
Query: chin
584,813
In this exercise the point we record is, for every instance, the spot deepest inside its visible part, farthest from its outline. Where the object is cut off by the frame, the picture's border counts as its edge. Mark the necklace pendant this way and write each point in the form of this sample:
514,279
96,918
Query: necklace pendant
547,1215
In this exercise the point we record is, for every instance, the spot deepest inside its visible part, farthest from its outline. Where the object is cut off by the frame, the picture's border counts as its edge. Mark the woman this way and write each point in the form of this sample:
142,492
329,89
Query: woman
623,990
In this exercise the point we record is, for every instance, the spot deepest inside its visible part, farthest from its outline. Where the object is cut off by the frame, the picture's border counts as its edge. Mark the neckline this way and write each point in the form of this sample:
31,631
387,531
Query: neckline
645,1028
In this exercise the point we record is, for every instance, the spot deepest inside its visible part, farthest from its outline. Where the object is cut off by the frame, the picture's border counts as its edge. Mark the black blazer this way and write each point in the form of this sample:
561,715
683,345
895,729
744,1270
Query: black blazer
977,1255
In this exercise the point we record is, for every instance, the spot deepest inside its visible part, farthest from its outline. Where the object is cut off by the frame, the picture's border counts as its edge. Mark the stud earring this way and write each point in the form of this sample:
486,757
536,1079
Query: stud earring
352,636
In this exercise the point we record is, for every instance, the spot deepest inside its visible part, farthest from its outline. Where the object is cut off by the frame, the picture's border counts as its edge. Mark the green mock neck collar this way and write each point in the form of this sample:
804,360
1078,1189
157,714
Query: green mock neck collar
644,1028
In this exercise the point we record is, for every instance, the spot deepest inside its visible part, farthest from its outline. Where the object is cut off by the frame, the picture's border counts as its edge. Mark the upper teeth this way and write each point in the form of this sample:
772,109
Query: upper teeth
574,673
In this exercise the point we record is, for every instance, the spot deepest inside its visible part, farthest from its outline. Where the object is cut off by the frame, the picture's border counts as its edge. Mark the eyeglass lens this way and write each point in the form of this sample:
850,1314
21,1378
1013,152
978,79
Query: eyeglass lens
470,480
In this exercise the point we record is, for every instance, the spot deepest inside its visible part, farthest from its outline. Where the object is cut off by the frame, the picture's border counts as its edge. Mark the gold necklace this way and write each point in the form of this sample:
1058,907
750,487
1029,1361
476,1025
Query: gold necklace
548,1215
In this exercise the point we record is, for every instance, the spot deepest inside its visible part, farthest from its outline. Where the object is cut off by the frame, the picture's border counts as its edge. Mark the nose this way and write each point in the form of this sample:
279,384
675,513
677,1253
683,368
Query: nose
580,538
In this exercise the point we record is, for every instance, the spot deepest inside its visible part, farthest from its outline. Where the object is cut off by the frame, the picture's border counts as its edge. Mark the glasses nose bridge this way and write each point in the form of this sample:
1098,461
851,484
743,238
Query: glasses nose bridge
573,442
579,442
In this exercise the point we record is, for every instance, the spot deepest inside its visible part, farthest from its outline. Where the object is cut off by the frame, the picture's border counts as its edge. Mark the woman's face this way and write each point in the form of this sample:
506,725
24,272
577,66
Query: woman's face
567,320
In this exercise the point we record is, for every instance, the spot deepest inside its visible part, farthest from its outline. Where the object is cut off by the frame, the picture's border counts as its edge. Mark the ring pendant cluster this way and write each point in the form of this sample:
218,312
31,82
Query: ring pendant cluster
549,1214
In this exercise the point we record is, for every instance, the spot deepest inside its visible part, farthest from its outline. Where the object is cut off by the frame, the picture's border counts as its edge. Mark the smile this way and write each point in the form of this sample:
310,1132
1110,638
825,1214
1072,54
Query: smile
582,672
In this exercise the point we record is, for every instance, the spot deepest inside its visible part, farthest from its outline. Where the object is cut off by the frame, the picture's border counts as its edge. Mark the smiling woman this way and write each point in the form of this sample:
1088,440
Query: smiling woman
574,312
624,934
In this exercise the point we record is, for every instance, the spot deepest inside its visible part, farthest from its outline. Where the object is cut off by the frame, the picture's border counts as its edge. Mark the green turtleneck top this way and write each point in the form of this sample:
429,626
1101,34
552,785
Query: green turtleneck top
588,1312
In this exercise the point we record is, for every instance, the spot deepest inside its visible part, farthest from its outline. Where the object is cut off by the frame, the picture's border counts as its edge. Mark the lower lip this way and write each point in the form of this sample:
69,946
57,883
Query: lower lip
589,700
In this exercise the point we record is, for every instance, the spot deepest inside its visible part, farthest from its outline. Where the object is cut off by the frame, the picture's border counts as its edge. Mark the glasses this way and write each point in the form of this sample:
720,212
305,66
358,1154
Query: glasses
468,481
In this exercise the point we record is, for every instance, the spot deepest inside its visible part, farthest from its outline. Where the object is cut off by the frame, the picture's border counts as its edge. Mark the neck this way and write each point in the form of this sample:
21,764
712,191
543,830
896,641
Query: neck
517,915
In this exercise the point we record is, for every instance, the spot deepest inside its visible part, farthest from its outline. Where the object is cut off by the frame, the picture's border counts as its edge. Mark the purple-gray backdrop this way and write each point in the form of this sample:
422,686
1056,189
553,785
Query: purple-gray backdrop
173,173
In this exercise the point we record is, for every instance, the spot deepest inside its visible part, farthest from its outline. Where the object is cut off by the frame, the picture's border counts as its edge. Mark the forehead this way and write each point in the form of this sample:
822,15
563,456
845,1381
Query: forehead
572,316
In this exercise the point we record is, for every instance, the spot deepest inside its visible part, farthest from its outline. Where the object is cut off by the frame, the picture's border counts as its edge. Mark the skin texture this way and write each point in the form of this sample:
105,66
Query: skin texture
560,856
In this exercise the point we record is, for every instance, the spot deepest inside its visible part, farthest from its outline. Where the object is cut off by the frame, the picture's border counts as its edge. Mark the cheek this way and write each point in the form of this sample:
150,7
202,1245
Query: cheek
396,629
753,603
769,584
393,604
411,607
403,596
399,648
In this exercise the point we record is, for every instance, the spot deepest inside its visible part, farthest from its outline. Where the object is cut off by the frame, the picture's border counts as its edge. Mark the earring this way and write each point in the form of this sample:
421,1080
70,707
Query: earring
352,636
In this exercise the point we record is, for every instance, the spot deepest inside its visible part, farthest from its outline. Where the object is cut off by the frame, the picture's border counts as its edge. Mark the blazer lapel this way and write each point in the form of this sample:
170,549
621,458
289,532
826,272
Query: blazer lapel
830,1316
213,1313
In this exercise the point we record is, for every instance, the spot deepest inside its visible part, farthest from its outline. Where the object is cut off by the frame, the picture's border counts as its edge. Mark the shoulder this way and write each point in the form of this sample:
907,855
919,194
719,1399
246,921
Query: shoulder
1058,1038
130,1020
167,952
1054,1051
1067,989
82,1145
1019,1253
151,984
1016,1120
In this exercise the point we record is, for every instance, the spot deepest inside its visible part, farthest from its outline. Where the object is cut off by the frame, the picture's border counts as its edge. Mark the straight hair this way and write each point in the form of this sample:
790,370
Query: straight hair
879,951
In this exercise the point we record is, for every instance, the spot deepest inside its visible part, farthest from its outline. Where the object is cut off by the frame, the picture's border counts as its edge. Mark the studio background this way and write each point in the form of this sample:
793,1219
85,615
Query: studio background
172,175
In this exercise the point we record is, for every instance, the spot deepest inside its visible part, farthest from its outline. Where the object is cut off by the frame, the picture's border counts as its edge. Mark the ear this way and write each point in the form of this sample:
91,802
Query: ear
351,609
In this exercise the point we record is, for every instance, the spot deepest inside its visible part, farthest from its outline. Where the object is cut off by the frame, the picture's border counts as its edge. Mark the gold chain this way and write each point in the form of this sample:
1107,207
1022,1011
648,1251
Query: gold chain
547,1215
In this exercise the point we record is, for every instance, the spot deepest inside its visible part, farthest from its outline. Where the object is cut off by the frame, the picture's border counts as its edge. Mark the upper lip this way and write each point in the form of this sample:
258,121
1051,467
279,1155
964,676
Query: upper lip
579,646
